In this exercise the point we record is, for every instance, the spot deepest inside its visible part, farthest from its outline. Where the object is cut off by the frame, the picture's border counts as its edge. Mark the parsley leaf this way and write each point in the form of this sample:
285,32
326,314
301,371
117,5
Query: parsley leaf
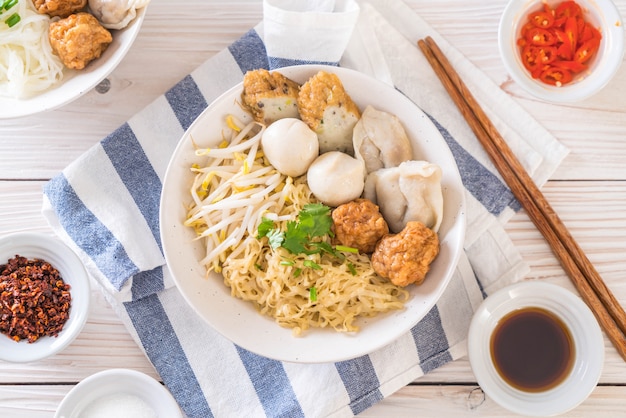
295,239
313,221
265,227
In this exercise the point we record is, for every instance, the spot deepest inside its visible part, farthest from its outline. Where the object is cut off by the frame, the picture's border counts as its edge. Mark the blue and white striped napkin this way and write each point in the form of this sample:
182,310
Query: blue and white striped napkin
106,205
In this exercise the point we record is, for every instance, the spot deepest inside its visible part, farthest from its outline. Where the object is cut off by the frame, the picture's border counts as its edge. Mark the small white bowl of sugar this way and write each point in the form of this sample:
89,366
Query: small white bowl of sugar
119,393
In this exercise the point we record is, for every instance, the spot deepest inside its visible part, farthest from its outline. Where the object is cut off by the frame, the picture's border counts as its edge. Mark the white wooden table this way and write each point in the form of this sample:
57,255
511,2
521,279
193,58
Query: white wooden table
588,191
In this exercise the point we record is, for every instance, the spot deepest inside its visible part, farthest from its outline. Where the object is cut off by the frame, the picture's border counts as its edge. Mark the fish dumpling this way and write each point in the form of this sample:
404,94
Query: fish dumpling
116,14
409,192
380,140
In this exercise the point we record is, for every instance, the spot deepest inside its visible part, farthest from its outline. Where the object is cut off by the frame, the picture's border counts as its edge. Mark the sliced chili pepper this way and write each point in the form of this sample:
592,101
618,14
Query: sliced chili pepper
573,66
547,8
571,32
542,19
568,9
556,42
540,37
529,58
589,32
580,25
535,58
584,32
586,50
556,76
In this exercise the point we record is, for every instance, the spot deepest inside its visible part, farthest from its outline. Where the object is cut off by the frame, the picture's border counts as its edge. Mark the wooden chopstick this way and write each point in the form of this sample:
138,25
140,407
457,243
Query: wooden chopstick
581,271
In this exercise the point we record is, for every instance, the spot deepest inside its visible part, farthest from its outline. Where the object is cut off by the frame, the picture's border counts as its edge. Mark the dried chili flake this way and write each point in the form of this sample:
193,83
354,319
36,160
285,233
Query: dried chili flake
34,299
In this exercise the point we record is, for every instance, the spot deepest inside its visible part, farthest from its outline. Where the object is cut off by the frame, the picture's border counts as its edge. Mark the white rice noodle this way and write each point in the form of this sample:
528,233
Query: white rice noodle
27,64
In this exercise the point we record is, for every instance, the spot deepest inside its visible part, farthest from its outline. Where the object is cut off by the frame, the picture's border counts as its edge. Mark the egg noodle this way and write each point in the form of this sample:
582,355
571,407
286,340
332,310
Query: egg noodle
27,63
231,194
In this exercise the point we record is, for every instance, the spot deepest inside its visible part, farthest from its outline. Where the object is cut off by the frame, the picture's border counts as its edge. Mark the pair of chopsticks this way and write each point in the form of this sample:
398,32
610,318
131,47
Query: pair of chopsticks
595,293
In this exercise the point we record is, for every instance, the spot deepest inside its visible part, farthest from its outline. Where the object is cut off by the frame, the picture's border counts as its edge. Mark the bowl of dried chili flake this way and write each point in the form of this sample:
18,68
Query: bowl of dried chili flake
44,296
561,51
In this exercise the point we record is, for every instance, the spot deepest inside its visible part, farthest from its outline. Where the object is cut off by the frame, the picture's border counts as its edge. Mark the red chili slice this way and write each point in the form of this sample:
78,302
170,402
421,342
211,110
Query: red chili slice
556,76
568,9
586,50
540,37
573,66
542,19
571,33
535,58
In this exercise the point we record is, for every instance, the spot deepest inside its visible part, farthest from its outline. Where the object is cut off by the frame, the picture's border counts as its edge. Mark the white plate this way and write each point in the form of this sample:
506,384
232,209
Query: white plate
118,382
34,245
76,83
588,343
238,320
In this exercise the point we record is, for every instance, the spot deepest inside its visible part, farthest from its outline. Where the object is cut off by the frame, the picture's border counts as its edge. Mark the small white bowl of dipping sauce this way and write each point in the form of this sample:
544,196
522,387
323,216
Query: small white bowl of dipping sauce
119,393
536,349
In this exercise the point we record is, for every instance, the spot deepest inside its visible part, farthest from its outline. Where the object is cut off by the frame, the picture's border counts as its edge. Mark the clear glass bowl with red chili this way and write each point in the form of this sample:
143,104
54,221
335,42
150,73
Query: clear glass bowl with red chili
44,296
564,50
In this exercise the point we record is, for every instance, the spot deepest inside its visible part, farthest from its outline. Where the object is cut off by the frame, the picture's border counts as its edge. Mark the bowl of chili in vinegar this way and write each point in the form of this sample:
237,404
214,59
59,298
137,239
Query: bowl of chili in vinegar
558,59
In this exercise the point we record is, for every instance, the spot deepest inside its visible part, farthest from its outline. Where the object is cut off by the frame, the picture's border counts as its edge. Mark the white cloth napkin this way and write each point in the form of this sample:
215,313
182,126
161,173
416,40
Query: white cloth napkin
306,32
106,204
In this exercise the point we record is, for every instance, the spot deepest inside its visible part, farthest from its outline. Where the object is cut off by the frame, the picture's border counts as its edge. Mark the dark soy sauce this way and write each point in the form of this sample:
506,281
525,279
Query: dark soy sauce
532,349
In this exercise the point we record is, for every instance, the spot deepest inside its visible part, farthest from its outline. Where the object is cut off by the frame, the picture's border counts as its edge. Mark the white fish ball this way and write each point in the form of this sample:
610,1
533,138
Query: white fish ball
290,146
336,178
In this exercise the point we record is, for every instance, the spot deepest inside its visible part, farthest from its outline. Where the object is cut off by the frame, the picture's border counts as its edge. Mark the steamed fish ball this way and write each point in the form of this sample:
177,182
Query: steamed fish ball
336,178
290,146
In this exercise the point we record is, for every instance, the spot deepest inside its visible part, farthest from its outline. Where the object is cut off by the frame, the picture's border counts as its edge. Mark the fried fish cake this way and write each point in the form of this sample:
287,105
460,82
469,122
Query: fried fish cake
78,39
269,96
359,224
61,8
405,257
329,111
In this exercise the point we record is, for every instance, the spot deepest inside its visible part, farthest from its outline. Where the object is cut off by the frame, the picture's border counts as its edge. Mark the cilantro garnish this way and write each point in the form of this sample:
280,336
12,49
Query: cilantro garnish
302,236
314,221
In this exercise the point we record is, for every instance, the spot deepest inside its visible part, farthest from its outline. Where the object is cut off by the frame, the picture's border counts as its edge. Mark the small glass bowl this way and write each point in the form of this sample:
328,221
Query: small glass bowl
603,14
586,334
50,249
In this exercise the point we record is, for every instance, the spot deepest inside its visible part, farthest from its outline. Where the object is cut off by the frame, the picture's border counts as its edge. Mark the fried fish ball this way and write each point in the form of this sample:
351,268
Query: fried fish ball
359,224
329,111
61,8
405,257
78,39
269,96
